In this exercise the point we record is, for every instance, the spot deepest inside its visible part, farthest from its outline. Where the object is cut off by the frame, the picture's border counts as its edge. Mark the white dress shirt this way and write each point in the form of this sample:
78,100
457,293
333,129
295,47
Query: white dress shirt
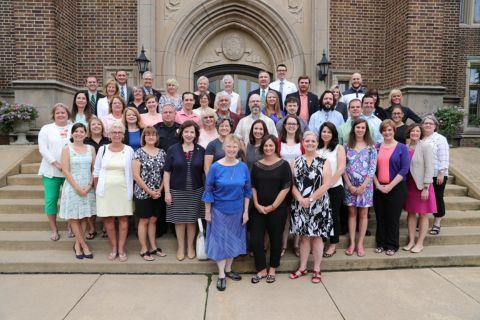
288,87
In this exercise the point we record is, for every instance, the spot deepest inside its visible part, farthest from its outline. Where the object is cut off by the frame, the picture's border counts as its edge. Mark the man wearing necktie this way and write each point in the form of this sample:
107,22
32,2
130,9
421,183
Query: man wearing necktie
93,95
147,88
125,91
282,85
263,82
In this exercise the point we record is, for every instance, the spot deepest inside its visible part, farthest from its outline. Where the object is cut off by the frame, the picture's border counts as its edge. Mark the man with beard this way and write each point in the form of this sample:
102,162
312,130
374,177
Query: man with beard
326,113
308,101
245,124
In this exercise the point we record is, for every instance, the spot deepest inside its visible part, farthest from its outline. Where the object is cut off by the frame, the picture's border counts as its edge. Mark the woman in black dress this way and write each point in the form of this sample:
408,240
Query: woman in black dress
271,181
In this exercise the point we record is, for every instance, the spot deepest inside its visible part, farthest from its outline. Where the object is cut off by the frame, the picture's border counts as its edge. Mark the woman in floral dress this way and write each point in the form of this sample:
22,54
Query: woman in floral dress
358,178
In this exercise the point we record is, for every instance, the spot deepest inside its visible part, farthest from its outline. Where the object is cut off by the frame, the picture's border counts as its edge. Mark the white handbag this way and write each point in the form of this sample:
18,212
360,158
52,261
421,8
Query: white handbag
201,250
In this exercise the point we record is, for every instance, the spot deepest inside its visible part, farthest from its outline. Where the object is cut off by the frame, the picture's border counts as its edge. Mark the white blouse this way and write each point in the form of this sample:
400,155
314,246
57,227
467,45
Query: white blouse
51,140
290,153
331,156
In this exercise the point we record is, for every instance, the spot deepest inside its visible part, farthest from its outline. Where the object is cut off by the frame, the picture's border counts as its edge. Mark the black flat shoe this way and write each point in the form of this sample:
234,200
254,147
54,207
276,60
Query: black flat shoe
78,256
88,256
221,284
233,275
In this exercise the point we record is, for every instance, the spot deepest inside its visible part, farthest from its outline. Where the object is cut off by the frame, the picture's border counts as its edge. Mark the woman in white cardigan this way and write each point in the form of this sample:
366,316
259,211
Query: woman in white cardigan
114,189
51,140
421,195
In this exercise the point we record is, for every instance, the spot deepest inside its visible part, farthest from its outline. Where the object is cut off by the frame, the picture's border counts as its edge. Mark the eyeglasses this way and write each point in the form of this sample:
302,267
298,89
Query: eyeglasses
208,117
429,123
117,133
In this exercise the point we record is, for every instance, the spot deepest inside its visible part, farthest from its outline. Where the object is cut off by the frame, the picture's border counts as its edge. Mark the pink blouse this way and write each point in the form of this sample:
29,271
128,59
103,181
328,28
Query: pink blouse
383,164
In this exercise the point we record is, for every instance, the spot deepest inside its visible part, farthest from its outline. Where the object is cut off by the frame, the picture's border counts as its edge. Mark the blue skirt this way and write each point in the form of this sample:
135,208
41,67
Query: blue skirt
226,236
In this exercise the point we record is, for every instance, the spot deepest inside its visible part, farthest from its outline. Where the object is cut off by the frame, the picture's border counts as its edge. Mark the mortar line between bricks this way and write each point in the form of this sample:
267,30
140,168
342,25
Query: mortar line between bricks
334,303
81,298
455,285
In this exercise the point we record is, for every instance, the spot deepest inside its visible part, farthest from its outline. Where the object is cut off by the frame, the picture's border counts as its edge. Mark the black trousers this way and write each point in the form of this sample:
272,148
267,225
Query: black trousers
439,193
274,223
388,208
336,196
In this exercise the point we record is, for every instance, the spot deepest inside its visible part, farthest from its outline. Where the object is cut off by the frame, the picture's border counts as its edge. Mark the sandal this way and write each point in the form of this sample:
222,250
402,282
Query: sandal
270,278
350,250
91,235
55,236
112,256
104,234
408,247
256,278
146,256
122,257
317,277
435,230
360,252
297,274
329,255
379,250
158,252
390,252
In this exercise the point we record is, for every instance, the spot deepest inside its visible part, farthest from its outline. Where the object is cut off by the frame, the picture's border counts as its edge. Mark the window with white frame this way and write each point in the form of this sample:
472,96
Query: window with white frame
470,12
474,95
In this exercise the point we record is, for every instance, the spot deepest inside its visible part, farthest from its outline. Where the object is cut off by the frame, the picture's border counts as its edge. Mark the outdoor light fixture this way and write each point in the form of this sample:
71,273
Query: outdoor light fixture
323,66
142,62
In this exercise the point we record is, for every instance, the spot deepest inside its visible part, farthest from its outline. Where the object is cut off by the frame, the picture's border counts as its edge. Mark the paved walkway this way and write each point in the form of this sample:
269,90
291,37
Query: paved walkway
438,293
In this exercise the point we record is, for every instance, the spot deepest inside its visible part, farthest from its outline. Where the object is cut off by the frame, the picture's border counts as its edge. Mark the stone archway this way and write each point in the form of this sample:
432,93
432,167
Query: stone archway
268,40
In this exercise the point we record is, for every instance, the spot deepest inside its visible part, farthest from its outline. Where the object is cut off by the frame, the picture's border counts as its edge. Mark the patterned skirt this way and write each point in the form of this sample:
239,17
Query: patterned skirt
315,221
226,236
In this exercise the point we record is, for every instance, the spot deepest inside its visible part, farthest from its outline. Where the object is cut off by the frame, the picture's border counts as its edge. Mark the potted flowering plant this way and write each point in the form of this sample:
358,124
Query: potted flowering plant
16,118
450,121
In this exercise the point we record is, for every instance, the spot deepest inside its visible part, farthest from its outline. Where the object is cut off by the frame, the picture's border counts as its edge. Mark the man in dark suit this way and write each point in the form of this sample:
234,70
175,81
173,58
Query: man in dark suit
124,90
93,95
308,101
263,82
148,86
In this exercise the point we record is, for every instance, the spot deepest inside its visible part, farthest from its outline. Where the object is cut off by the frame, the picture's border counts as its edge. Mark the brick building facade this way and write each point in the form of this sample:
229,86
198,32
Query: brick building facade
48,47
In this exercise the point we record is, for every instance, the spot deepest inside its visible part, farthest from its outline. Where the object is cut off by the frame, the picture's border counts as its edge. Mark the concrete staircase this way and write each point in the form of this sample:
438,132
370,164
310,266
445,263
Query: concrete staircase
25,244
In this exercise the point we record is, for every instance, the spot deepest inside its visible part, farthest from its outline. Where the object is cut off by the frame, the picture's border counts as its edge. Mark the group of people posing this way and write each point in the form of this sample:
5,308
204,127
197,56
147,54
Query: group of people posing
301,165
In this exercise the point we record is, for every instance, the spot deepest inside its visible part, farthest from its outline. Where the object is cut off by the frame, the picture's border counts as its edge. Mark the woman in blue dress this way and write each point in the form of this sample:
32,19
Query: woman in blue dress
227,195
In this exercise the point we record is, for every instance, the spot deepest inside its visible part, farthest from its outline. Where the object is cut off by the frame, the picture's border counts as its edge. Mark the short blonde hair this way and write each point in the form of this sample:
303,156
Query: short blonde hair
208,112
60,105
232,138
394,91
116,125
173,81
309,133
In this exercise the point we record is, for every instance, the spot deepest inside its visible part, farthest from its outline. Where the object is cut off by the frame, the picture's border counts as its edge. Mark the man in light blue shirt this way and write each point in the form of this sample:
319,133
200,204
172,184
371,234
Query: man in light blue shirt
368,107
326,113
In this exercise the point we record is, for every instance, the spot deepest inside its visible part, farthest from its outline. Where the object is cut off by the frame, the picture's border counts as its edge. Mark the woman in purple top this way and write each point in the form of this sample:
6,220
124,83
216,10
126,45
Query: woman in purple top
359,171
391,190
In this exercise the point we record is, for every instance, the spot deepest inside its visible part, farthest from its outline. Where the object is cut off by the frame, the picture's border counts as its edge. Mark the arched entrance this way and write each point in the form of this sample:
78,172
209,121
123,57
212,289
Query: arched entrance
224,33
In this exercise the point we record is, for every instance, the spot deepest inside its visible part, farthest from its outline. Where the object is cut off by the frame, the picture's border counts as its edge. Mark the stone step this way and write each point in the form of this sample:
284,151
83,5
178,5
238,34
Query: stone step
461,203
453,190
22,192
21,205
38,221
25,179
61,261
39,240
451,179
30,168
